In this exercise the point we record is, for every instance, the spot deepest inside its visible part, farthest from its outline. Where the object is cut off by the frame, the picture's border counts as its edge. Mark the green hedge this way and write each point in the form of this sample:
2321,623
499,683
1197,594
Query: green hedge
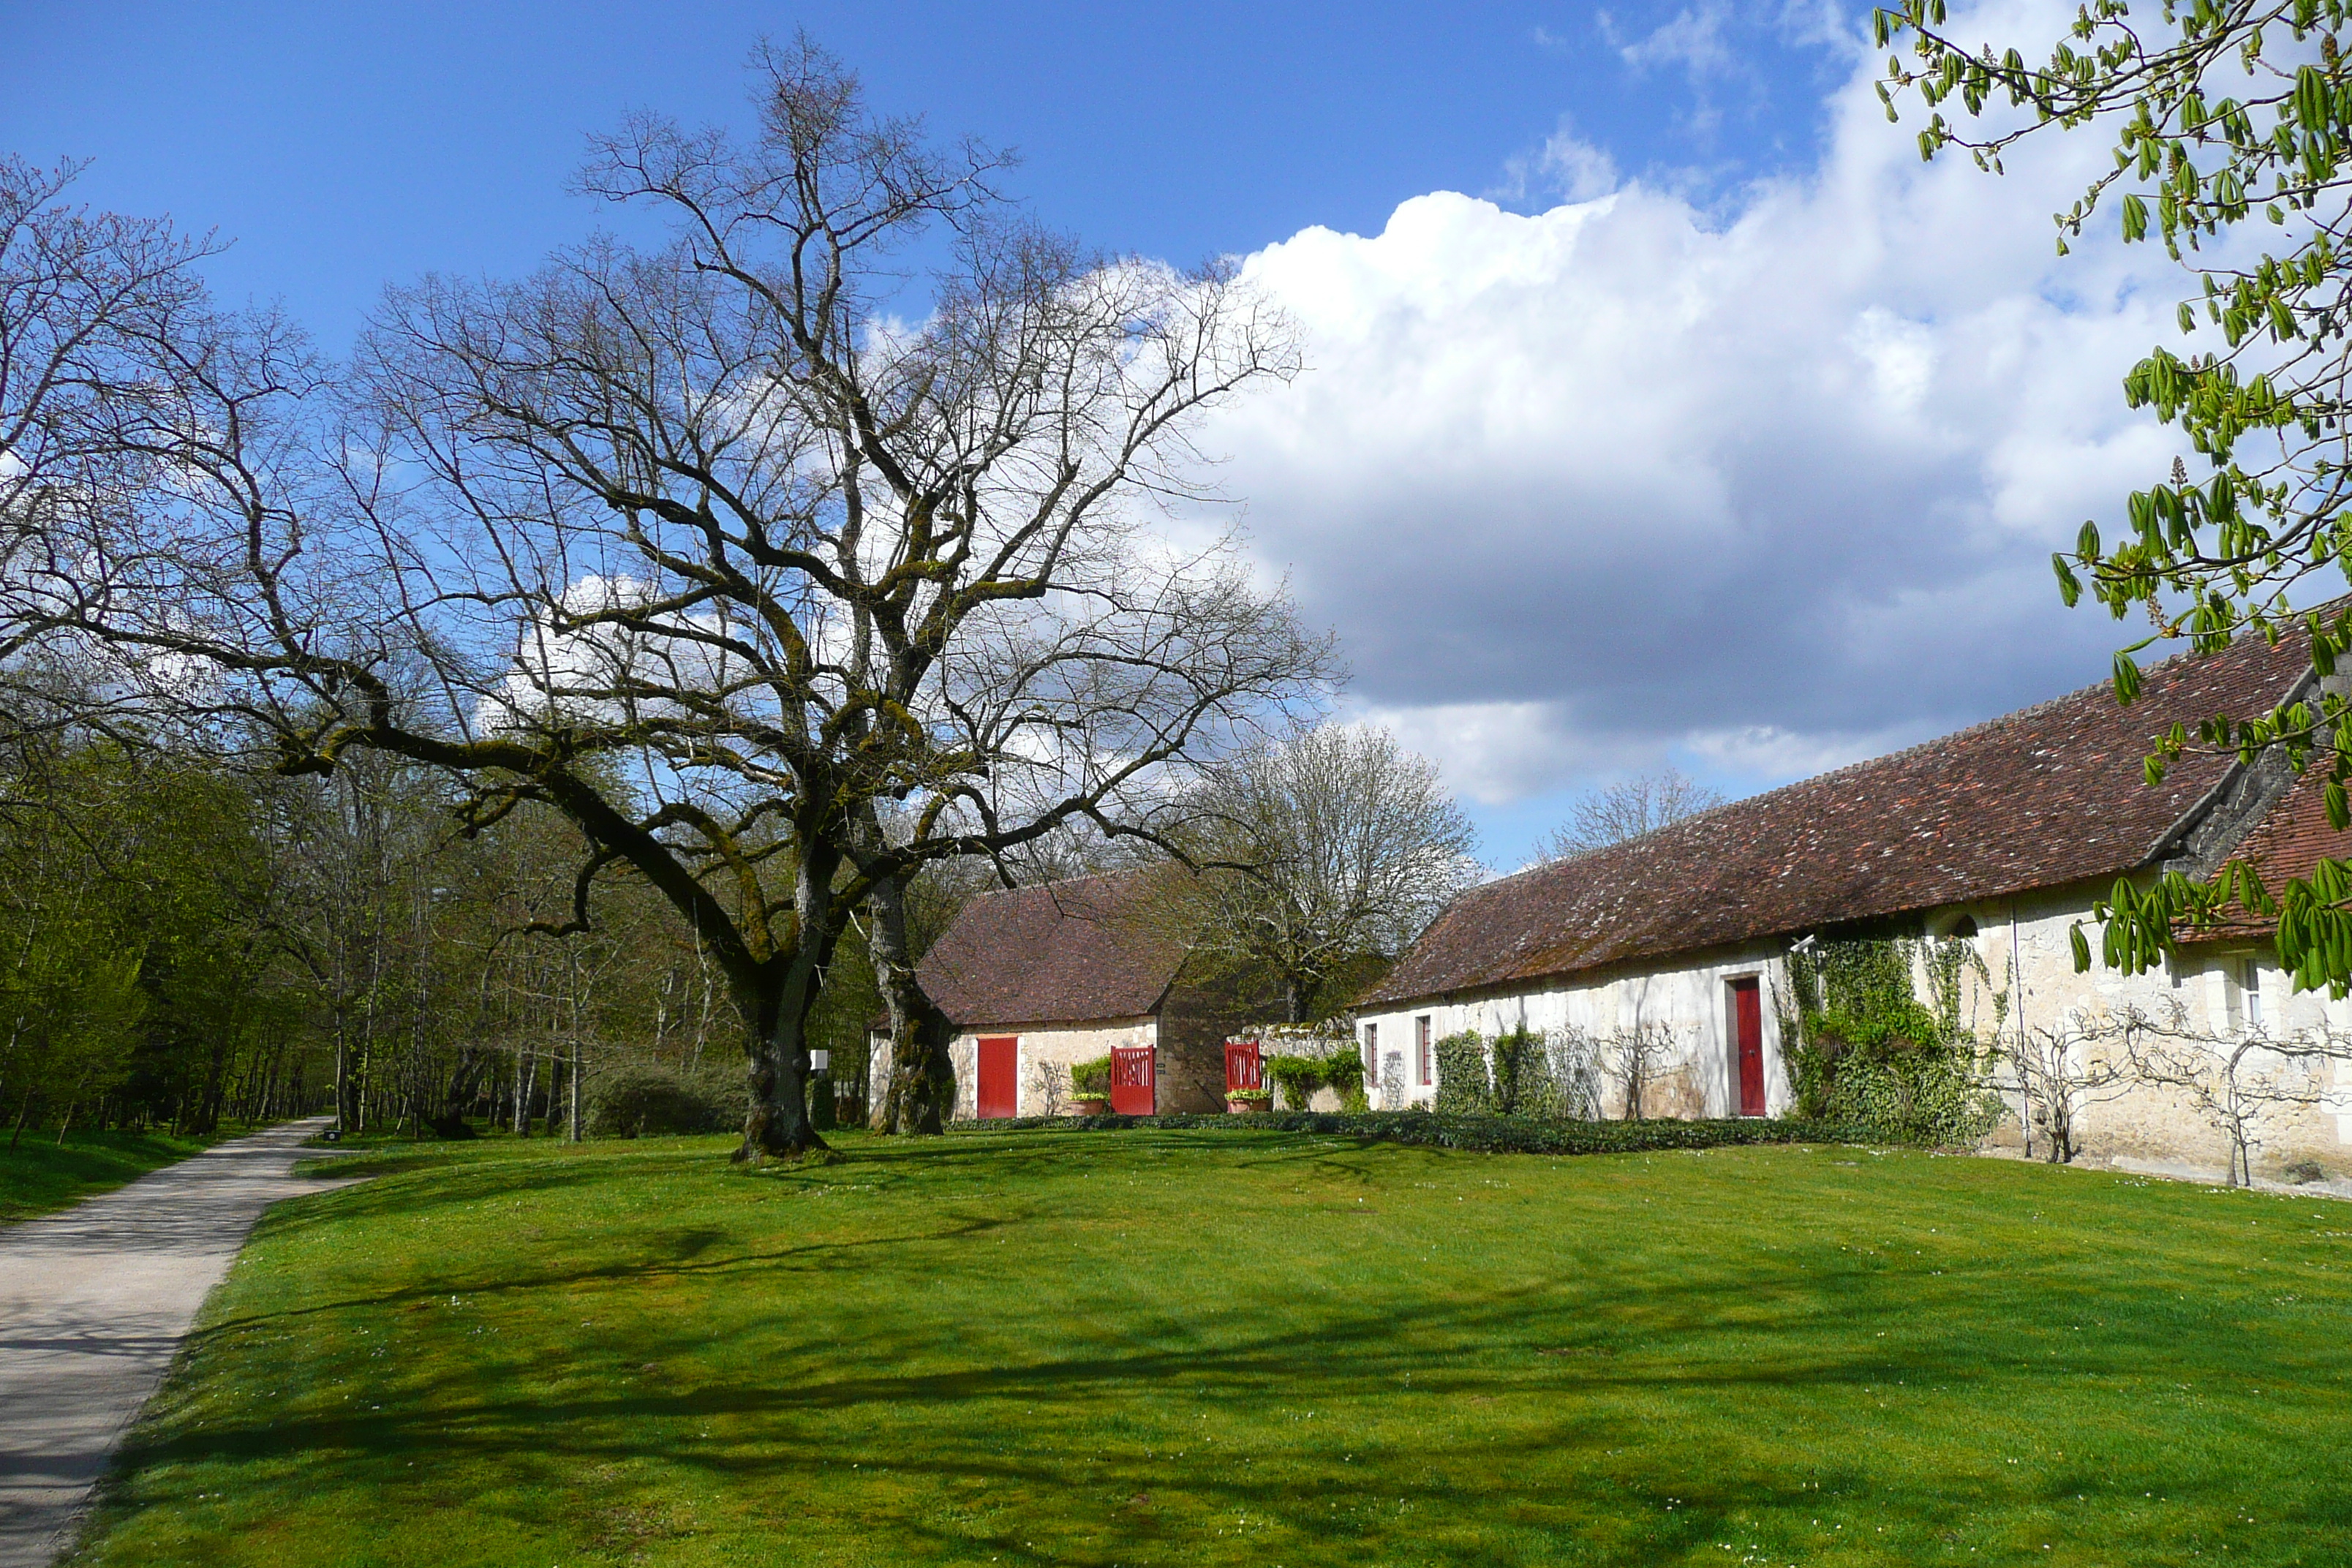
1493,1135
1299,1076
653,1102
1523,1080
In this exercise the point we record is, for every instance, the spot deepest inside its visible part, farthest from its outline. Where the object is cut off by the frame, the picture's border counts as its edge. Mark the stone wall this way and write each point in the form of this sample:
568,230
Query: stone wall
1692,998
2029,981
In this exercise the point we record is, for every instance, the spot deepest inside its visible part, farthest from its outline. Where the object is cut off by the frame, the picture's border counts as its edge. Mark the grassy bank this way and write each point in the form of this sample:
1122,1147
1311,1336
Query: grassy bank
40,1174
1165,1347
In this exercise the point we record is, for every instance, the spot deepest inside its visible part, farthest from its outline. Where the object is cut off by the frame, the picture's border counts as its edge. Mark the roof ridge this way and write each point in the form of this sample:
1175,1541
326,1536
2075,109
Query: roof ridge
1066,881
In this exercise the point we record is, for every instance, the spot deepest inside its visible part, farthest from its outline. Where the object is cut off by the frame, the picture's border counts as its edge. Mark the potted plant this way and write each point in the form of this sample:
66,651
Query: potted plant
1247,1102
1090,1086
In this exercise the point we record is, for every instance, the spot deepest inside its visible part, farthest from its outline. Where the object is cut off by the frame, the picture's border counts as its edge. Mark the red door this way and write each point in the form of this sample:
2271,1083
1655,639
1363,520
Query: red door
1747,1024
998,1090
1244,1068
1133,1092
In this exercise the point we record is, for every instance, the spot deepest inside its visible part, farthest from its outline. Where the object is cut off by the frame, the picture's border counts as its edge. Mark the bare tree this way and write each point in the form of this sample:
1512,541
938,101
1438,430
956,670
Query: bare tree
1049,1088
920,1092
2058,1074
1632,1058
1628,810
81,294
2236,1084
706,547
1324,847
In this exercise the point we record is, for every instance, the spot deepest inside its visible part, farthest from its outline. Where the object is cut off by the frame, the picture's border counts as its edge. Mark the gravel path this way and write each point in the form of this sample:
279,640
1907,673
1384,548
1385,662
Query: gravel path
93,1304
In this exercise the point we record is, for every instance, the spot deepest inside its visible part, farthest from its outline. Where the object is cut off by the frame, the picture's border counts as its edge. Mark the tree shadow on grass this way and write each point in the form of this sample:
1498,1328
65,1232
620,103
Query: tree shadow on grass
1552,1467
1568,1372
677,1254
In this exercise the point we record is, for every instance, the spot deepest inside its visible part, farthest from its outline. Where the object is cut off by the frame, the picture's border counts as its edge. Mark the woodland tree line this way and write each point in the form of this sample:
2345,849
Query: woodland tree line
190,941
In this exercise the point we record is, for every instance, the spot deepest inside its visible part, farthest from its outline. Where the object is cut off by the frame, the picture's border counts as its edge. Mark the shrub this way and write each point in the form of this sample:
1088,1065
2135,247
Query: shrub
1345,1074
1523,1080
650,1102
1489,1134
1297,1077
1532,1074
1090,1079
1461,1086
1249,1096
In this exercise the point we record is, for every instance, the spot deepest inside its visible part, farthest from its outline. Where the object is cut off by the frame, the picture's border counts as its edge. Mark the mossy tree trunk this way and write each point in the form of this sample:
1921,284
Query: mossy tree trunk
921,1095
776,995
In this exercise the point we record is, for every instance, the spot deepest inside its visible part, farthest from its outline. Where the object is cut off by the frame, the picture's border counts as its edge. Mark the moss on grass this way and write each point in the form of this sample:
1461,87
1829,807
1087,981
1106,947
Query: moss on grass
1163,1347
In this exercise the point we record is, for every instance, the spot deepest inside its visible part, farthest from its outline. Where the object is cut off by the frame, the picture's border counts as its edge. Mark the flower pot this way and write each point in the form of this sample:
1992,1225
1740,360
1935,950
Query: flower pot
1088,1105
1236,1106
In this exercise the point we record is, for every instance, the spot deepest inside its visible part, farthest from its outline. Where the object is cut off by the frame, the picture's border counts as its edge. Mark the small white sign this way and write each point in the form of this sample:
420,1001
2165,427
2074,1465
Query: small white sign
820,1061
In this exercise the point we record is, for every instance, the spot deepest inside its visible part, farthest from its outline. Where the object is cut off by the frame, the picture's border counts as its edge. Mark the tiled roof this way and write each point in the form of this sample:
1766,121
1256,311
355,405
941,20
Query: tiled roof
2052,795
2289,842
1060,952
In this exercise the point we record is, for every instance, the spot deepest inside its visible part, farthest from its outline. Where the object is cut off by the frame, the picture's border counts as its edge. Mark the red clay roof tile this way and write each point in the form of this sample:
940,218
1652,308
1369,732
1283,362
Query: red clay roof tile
1064,951
2051,794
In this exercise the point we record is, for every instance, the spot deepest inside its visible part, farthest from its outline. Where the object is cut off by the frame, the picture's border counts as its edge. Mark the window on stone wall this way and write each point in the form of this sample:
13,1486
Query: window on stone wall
2251,983
1371,1053
1421,1048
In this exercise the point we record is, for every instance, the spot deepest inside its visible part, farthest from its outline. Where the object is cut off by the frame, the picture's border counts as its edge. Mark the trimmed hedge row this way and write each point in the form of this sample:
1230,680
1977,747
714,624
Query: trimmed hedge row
1489,1135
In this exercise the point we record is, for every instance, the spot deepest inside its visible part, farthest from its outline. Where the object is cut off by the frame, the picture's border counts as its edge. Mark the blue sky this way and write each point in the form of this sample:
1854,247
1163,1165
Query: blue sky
344,145
1663,409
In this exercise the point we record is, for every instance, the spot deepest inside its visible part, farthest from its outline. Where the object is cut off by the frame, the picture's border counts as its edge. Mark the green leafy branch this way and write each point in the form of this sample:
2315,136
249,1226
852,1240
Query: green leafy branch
2222,111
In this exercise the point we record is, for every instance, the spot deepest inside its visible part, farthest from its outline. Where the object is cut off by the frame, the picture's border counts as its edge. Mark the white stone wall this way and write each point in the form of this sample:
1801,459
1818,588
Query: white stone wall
2026,952
2156,1129
1693,1000
1051,1047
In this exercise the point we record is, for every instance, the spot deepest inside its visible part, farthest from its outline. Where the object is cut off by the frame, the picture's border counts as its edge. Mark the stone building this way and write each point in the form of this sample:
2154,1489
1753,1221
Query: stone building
1037,978
2002,835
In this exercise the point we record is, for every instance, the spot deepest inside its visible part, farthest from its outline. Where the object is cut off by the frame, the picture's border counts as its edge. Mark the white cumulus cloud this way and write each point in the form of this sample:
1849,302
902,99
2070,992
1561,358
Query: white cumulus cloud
1756,485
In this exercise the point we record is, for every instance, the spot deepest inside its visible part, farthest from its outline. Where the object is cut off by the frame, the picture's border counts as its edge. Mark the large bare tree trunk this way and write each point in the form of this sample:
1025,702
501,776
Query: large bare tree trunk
776,999
921,1095
778,1125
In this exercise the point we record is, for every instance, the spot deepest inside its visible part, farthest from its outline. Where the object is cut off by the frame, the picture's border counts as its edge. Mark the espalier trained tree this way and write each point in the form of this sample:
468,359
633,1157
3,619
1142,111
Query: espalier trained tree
2232,122
717,548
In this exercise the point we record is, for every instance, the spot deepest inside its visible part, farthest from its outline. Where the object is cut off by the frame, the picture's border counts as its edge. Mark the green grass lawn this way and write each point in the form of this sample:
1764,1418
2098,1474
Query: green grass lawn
1155,1347
40,1174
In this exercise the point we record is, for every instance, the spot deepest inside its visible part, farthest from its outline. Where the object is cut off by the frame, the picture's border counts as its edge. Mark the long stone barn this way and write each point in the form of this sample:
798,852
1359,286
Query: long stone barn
2002,834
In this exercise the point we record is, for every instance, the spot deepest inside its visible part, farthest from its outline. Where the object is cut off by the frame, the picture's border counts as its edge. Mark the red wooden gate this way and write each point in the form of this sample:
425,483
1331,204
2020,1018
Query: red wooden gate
998,1091
1244,1066
1133,1090
1748,1021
